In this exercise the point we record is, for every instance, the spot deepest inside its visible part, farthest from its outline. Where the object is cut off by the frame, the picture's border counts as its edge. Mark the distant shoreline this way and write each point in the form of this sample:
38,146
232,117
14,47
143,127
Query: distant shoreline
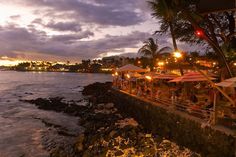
57,71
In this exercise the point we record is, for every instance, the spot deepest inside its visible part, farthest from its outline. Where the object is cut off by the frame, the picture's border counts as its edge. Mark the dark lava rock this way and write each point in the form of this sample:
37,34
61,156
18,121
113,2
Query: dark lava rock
119,153
28,93
97,88
56,104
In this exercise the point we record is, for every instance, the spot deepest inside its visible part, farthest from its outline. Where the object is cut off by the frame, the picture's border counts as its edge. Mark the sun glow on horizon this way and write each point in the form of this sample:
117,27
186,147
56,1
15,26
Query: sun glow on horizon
9,62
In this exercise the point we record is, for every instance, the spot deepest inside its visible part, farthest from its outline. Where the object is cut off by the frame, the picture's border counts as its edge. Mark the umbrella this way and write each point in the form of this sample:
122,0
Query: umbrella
134,75
130,67
149,74
166,76
152,74
191,77
228,83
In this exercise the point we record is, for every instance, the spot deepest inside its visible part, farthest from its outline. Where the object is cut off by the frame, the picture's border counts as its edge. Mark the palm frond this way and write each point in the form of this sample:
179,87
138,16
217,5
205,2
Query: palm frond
165,50
145,51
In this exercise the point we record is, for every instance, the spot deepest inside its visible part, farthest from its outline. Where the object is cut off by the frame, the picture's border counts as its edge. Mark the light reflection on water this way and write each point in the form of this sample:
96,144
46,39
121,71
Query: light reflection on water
21,128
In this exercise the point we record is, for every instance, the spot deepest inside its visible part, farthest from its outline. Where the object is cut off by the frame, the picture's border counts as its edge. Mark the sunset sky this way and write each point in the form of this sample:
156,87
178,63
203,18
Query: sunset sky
74,29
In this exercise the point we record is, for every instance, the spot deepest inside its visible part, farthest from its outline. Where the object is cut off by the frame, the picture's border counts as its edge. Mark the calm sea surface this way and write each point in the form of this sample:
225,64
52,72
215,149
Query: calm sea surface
22,130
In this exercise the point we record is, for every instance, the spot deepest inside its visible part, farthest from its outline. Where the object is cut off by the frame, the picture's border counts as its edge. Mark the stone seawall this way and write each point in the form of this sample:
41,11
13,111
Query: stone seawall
183,130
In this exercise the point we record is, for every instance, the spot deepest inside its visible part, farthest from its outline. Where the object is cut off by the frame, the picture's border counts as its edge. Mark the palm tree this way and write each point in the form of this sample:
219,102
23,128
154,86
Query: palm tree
208,25
151,49
167,11
164,12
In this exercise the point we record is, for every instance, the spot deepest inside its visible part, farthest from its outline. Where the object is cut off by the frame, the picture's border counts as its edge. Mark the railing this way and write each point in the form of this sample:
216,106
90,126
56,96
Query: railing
226,116
228,119
189,108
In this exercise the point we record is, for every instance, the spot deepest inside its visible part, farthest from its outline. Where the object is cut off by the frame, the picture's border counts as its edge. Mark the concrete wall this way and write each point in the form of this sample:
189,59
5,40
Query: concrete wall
181,129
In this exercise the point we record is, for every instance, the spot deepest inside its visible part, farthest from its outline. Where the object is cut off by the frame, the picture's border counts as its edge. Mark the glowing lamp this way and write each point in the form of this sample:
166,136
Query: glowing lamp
160,63
139,62
148,77
128,76
116,73
177,54
199,33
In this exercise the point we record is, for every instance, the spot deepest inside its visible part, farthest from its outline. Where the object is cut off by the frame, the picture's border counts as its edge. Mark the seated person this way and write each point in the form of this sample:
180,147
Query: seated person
208,104
158,93
193,98
143,91
148,91
139,92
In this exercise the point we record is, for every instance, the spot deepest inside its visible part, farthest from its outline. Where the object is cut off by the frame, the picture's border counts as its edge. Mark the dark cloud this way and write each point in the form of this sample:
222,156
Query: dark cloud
72,26
15,17
14,39
64,26
106,12
94,48
37,21
80,24
69,38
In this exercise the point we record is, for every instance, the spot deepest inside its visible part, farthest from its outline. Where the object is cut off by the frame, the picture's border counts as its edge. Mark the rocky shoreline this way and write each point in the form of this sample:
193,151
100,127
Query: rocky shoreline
106,132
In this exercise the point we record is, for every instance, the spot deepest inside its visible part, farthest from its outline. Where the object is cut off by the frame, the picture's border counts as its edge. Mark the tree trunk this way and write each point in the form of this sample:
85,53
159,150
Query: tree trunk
173,35
153,61
213,44
175,44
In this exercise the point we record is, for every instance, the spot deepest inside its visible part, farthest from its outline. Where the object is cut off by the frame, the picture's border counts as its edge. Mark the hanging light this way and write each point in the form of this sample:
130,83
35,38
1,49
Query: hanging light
160,63
177,54
148,77
199,33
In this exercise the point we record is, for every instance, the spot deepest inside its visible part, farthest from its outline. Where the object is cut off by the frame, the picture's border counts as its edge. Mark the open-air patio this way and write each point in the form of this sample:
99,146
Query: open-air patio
189,94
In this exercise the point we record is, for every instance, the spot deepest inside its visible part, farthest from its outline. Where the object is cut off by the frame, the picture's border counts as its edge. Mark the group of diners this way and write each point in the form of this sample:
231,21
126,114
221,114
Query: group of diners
193,95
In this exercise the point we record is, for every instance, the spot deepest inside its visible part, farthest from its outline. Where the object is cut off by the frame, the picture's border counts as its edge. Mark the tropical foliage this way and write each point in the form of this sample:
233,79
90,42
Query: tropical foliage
166,14
216,30
151,49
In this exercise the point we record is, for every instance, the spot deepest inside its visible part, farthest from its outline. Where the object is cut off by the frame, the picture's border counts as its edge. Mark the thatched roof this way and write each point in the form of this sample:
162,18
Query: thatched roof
207,6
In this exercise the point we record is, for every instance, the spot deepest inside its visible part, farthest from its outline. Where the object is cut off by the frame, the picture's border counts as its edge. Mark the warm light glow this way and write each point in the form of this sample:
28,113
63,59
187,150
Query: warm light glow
177,54
234,64
199,33
9,62
128,76
139,62
106,69
148,77
160,63
116,73
113,75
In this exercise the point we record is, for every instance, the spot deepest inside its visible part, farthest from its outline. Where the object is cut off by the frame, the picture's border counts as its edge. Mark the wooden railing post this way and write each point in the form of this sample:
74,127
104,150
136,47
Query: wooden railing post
214,110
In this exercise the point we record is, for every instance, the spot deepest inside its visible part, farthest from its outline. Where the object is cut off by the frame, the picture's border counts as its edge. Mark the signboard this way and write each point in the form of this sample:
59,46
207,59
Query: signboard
207,6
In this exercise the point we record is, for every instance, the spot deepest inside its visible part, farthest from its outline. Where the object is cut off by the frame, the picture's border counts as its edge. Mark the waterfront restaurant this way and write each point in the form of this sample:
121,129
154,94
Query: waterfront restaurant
191,93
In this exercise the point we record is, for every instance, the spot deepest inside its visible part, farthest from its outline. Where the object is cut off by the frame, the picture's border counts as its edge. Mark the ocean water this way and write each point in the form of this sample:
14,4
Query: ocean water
22,127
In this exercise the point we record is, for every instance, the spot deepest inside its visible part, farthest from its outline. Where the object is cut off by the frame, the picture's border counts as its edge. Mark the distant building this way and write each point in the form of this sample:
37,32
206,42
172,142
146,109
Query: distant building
110,59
